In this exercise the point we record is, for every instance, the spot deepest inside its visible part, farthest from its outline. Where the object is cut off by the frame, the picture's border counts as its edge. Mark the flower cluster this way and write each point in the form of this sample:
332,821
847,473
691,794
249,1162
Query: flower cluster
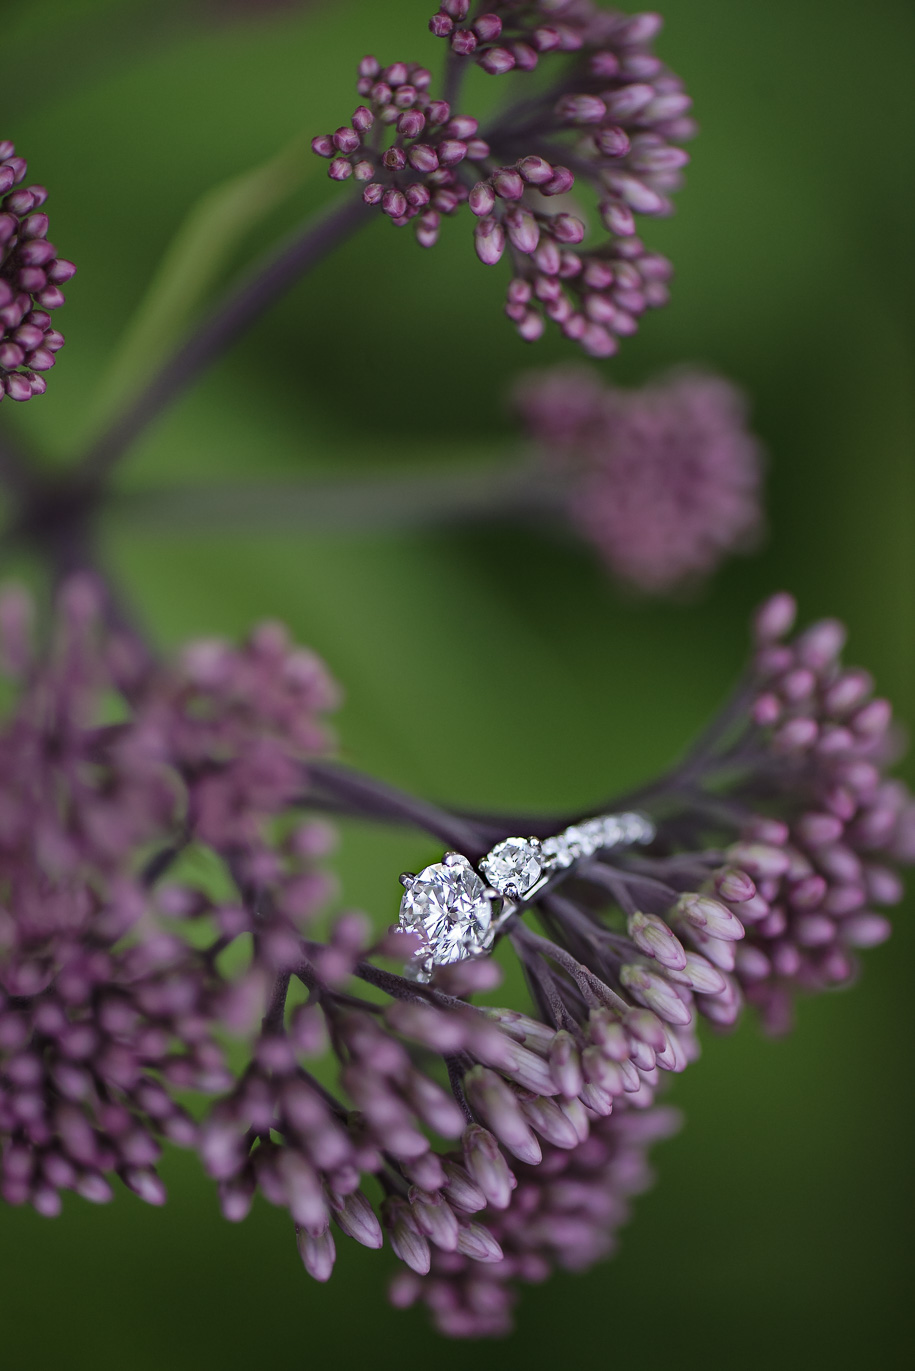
160,895
563,1215
107,1005
31,275
613,122
829,853
663,481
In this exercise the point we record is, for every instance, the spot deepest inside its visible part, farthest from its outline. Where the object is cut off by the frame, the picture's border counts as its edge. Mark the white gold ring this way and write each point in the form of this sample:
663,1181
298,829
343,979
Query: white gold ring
457,910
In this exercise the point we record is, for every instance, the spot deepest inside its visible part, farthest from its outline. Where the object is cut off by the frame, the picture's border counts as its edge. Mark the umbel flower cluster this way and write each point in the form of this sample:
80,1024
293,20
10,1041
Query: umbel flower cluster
603,114
663,481
162,896
31,276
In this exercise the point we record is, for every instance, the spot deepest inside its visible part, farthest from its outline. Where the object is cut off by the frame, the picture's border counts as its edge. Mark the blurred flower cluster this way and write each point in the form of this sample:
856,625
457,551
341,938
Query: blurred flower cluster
663,481
163,905
610,118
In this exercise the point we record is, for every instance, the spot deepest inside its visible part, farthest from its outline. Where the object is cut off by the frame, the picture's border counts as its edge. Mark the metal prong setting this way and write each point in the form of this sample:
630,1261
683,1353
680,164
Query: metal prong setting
406,879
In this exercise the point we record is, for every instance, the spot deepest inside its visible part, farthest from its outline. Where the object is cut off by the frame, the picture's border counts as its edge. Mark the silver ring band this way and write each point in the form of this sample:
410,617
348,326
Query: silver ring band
457,910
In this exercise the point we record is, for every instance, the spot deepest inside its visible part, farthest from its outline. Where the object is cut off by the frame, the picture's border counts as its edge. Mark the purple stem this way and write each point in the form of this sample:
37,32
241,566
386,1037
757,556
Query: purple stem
376,800
254,294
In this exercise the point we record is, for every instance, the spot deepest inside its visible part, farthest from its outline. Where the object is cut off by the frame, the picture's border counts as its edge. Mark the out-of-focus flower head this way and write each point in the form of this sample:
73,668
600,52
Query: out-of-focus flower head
563,1216
610,117
31,275
664,481
109,771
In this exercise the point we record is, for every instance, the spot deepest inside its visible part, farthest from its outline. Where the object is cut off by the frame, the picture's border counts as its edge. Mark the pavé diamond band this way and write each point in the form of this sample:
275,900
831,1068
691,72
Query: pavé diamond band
457,909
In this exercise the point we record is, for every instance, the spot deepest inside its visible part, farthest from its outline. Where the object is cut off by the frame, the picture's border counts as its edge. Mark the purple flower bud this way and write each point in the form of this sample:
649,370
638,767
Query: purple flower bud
410,125
422,157
144,1183
734,885
318,1253
565,1064
873,719
551,1123
463,42
531,326
493,1100
408,1242
487,27
759,859
628,100
565,228
451,151
701,976
427,229
560,183
652,936
581,109
497,61
477,1243
507,183
487,1167
394,203
599,1101
482,199
489,240
794,736
710,917
722,1009
463,1193
461,126
655,993
346,140
526,57
434,1218
523,230
819,646
865,930
617,218
340,169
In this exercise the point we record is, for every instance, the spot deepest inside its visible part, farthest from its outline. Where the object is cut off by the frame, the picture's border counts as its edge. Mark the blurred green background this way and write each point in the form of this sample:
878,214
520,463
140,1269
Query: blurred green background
494,667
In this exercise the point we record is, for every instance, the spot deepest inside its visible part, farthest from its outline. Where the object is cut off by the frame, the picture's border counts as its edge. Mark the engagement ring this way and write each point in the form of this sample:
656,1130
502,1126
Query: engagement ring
457,909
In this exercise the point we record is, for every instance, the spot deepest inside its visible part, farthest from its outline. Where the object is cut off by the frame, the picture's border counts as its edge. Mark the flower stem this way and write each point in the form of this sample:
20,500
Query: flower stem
501,490
238,309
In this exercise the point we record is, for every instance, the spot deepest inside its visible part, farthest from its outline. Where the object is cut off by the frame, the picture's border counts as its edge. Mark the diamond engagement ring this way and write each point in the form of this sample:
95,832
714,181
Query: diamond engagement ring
457,910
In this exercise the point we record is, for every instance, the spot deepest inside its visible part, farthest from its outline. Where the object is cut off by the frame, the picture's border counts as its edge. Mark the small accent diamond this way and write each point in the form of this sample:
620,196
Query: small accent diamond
558,851
446,905
614,832
583,839
514,862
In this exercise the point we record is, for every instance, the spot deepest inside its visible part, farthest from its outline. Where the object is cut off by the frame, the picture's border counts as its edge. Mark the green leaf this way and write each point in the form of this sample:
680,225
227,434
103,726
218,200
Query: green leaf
193,262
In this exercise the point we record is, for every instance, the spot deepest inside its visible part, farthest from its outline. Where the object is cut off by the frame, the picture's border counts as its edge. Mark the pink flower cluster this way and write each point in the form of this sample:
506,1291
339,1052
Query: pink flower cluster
612,122
663,481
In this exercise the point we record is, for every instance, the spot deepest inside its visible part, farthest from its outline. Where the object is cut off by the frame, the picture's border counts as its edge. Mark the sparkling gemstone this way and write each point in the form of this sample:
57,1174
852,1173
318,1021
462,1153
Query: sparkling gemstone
614,830
447,907
514,862
583,839
594,833
558,851
636,828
